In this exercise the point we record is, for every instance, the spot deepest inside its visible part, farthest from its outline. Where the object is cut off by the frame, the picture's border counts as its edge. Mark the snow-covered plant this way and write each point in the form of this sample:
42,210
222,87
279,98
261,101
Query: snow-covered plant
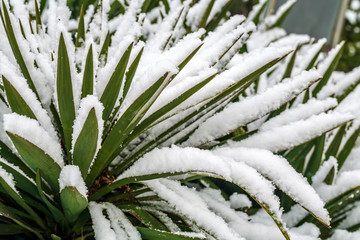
120,118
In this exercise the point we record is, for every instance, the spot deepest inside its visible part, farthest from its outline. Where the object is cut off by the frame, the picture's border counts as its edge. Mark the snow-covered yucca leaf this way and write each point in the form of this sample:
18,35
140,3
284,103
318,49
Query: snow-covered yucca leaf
150,119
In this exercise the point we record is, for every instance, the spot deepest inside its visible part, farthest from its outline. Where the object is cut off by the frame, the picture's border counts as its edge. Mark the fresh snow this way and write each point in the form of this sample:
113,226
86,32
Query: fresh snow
114,226
241,113
8,178
163,160
70,176
188,202
30,130
281,174
295,133
238,200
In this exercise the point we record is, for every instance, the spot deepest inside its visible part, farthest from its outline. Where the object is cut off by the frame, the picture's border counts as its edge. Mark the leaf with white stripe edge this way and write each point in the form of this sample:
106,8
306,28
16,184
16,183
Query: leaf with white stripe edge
280,172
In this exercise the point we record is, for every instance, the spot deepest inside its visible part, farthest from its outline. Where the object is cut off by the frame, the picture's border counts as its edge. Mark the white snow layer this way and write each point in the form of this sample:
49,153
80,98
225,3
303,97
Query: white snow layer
282,174
115,226
70,176
295,133
189,203
181,160
8,178
345,235
30,130
241,113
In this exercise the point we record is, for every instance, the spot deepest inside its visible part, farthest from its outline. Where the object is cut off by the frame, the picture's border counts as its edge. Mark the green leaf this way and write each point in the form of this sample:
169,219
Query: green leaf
259,11
226,94
146,123
290,64
18,199
316,157
112,144
313,60
65,93
213,23
56,213
128,80
280,19
11,229
15,47
88,78
188,58
86,144
335,143
131,73
36,158
15,100
153,234
112,89
348,146
6,212
6,153
73,203
80,37
22,182
104,50
329,71
37,17
147,218
206,14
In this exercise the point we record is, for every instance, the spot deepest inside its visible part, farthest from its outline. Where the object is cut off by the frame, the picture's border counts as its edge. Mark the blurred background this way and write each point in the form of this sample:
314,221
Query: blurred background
335,20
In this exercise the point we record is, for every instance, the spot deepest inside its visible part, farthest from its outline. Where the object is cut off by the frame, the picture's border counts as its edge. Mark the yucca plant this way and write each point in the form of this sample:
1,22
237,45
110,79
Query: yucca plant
120,119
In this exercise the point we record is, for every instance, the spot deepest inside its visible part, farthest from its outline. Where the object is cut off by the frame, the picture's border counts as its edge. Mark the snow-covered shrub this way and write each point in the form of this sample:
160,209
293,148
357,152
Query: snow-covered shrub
117,123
